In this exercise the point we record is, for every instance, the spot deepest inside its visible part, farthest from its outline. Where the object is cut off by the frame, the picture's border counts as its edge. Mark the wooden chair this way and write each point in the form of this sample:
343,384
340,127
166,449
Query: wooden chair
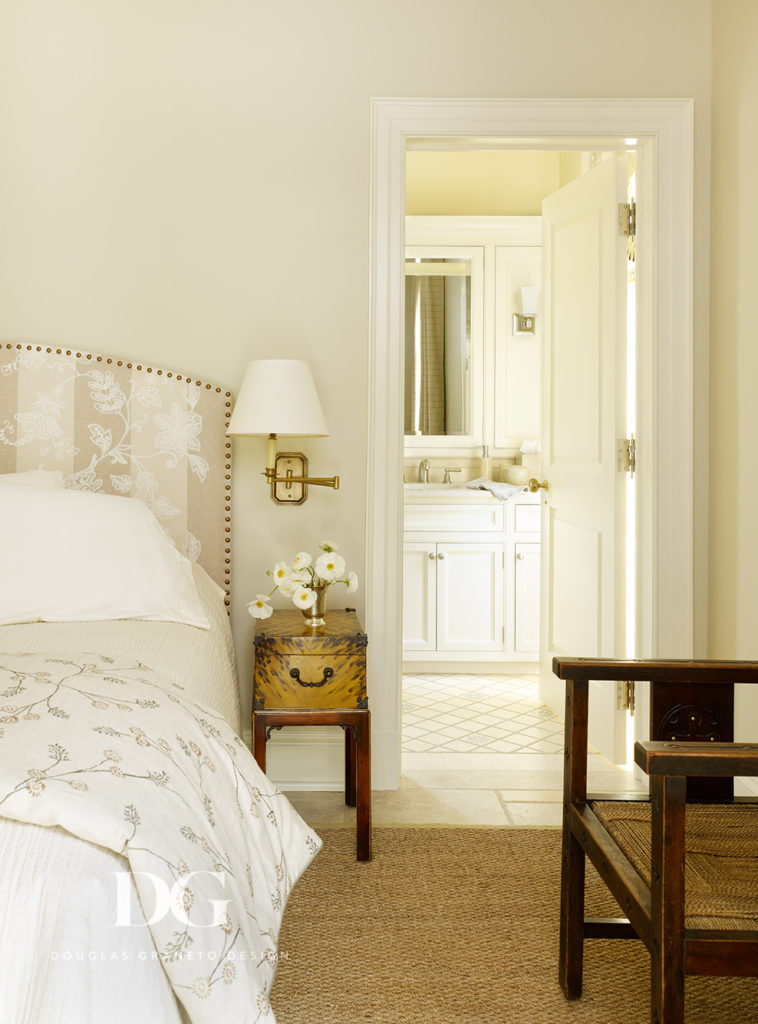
683,864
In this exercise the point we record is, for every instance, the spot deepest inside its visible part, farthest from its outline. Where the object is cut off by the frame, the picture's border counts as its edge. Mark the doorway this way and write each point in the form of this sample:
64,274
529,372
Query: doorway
473,396
660,132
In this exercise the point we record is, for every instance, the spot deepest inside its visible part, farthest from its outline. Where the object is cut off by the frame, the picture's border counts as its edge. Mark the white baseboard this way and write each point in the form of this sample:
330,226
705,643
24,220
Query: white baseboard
313,758
306,758
470,668
749,784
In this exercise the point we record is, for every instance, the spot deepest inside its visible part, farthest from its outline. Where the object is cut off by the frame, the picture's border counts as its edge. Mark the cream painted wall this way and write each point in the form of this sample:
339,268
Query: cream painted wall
187,181
734,343
489,183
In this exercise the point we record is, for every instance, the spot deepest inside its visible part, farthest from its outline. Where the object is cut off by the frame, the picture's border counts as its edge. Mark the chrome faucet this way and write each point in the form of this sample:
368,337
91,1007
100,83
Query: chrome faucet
423,471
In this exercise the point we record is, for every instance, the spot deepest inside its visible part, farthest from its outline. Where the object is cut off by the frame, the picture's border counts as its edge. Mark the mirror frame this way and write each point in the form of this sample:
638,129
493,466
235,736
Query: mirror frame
474,439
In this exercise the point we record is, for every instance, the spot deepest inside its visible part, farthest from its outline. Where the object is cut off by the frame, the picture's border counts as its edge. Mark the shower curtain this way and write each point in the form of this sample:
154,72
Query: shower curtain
425,355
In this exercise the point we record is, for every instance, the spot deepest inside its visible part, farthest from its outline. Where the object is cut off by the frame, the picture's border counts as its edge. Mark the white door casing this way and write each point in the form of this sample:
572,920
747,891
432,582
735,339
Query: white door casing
583,413
661,131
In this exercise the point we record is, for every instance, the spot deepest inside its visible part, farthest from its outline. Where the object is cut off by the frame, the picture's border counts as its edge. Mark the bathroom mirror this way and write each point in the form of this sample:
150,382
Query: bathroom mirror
437,346
441,342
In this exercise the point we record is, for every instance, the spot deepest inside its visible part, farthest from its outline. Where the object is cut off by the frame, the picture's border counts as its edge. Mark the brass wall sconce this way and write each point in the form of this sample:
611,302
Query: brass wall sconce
278,399
525,322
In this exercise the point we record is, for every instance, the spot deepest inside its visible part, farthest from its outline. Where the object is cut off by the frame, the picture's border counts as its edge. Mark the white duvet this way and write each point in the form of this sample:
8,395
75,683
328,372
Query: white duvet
200,661
123,801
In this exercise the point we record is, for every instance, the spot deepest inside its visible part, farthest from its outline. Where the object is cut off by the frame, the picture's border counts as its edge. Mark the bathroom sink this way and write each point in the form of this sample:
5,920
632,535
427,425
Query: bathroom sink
427,488
436,492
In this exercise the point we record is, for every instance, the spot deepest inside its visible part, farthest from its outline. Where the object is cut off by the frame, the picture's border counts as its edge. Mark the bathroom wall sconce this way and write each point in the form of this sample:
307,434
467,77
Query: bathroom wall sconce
278,399
525,322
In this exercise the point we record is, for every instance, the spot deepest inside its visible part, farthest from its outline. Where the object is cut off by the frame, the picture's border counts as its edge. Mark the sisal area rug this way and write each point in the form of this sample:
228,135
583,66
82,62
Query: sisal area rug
459,926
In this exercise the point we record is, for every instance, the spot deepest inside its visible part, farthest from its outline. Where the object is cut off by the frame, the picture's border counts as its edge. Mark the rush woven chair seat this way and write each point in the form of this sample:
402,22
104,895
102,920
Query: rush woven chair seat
684,873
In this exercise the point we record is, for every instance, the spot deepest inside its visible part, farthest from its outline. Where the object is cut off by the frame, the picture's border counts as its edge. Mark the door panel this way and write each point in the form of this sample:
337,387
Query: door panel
527,602
574,610
419,596
584,344
576,398
470,597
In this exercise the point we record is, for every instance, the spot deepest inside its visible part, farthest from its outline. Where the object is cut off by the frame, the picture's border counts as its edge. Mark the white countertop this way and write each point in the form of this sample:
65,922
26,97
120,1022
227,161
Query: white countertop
454,494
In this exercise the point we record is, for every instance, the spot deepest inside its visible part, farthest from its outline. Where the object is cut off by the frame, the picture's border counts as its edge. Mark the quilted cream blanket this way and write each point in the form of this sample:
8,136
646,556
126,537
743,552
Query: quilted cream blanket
118,757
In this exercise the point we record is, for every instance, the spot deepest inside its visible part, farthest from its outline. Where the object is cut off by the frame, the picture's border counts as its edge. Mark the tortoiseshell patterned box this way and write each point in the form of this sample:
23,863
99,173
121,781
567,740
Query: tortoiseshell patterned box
299,667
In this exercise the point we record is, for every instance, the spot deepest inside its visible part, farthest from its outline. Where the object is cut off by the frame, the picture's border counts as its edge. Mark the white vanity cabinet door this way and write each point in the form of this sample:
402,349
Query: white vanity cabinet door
527,598
419,596
470,596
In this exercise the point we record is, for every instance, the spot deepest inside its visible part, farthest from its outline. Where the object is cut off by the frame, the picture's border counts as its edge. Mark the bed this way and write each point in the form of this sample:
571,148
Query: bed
146,861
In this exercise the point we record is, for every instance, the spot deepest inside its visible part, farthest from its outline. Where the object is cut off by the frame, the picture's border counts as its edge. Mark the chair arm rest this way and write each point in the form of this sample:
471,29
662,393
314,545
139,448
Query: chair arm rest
664,670
708,759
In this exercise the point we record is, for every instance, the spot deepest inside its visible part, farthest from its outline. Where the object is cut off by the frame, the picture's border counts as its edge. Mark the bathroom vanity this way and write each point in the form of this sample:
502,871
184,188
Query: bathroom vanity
471,577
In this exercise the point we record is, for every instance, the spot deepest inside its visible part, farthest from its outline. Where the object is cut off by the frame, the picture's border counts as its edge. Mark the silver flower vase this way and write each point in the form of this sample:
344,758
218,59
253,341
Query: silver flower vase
314,616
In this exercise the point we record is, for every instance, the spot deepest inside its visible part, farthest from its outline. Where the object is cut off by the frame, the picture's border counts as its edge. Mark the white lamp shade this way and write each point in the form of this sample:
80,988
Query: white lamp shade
278,396
530,300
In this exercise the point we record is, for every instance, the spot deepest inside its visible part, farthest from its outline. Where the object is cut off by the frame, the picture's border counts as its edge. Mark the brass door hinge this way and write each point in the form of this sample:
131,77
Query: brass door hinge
628,219
625,700
626,455
628,227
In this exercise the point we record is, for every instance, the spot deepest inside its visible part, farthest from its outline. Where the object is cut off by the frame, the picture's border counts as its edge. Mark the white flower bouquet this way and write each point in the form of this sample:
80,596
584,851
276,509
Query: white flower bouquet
304,579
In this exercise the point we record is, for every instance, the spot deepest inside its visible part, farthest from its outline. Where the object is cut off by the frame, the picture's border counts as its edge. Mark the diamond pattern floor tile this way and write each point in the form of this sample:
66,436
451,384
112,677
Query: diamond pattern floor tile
463,713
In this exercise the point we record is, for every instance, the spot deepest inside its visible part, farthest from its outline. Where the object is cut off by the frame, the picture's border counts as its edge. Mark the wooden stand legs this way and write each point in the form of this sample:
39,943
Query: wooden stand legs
350,767
357,726
363,778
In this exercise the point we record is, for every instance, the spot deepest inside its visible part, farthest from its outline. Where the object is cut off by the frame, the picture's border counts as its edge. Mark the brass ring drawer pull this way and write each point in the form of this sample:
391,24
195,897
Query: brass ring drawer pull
328,673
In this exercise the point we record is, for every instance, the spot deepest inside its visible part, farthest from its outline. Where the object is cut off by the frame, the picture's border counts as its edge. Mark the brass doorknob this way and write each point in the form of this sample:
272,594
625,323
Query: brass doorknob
534,485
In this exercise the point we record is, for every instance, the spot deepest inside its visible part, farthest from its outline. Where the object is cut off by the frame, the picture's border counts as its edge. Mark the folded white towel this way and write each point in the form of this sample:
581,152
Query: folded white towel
501,491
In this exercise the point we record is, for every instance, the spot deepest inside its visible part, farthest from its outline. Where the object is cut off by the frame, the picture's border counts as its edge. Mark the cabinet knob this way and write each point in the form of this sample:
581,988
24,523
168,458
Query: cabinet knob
432,555
521,555
441,555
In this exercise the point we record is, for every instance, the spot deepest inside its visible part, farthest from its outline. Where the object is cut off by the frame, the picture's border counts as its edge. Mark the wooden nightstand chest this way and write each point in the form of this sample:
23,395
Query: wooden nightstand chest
307,676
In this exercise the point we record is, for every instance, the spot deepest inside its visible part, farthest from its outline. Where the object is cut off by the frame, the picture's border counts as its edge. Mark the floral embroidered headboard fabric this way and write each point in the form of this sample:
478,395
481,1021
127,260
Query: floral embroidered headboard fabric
125,428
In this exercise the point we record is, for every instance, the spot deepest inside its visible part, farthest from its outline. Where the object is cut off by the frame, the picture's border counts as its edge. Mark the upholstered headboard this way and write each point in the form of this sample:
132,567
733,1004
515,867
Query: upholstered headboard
125,428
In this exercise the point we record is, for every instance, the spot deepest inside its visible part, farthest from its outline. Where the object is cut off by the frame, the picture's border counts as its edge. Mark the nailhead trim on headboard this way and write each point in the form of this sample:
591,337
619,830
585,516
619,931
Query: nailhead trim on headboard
10,458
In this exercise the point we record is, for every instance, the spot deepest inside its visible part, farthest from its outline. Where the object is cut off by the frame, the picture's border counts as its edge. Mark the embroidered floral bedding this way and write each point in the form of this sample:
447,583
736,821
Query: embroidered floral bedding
110,751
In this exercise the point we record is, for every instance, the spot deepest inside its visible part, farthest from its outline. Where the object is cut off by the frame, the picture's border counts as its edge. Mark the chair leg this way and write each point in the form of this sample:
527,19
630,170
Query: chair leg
572,916
573,859
667,797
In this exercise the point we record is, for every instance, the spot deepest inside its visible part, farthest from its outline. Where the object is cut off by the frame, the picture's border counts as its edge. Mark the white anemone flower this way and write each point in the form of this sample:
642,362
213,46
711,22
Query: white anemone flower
352,582
330,566
326,545
304,597
281,571
302,560
260,608
289,585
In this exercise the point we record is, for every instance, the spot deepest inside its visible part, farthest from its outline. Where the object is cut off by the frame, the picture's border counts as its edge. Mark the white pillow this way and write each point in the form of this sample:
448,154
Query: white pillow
44,479
72,556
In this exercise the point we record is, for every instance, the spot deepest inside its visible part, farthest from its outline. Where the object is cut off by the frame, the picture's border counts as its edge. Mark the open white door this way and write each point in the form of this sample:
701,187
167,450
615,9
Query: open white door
583,413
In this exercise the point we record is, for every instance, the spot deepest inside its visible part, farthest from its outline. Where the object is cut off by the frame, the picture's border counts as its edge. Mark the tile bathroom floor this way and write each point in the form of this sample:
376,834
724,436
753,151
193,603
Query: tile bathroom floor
477,750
